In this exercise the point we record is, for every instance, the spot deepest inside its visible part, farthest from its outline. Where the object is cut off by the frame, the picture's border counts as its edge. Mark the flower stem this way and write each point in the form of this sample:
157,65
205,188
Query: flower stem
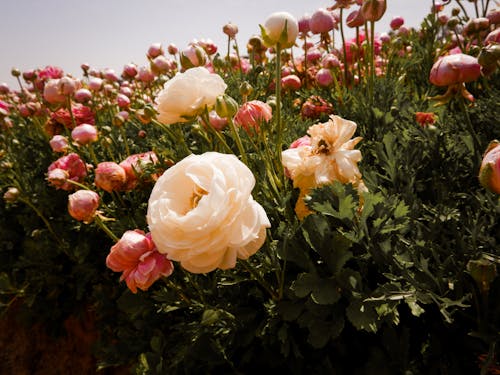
42,217
260,279
470,127
344,48
237,138
105,228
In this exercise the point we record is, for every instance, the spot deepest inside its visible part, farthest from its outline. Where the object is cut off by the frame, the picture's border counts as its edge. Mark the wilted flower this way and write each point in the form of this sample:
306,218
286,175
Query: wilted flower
489,172
136,256
83,204
110,176
75,168
330,157
202,214
252,114
187,94
280,27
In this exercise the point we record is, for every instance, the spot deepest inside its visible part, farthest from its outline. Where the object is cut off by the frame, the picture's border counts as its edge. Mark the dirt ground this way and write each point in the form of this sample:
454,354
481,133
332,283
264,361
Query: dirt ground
32,351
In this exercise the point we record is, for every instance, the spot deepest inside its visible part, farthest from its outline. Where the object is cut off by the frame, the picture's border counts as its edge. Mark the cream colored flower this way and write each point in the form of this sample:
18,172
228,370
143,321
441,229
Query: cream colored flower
187,94
330,157
202,214
280,27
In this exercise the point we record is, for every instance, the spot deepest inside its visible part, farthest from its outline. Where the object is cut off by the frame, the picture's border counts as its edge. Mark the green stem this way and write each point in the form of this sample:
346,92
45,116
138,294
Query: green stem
372,60
105,228
215,132
238,140
470,127
92,154
43,218
260,279
344,48
73,121
124,136
279,125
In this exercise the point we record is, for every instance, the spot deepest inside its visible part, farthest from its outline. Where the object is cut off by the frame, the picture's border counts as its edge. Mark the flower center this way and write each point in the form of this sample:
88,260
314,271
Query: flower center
322,147
198,193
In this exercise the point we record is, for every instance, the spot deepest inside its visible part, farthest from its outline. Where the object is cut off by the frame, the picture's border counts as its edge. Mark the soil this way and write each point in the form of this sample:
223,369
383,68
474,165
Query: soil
30,350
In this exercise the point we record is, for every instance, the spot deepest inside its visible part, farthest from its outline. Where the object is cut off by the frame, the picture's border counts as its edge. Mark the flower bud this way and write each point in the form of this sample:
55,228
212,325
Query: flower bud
129,71
95,83
57,177
82,95
303,23
11,195
453,22
217,122
355,19
29,75
52,93
145,74
246,89
324,77
494,16
252,114
230,29
321,21
109,176
373,10
484,272
84,134
280,27
83,204
4,88
397,22
67,85
123,101
172,49
59,143
193,56
489,172
453,69
291,82
15,72
225,106
155,50
493,37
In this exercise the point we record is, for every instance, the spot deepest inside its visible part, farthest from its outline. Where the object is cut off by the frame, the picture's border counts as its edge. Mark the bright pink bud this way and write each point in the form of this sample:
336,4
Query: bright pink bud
59,143
135,255
83,95
489,172
172,49
291,82
110,75
321,21
208,45
324,77
355,19
83,204
453,69
123,101
95,83
162,64
74,166
155,50
52,92
397,22
230,29
84,134
145,74
129,70
110,176
252,114
303,21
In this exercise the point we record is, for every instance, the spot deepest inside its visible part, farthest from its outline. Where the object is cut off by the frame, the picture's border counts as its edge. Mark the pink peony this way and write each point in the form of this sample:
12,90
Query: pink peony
397,22
83,204
252,114
455,69
291,82
136,256
81,113
110,176
84,134
321,21
52,92
50,72
324,77
134,167
75,168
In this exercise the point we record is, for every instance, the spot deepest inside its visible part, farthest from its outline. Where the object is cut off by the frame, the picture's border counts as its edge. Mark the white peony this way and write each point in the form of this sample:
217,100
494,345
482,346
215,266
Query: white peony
201,213
187,94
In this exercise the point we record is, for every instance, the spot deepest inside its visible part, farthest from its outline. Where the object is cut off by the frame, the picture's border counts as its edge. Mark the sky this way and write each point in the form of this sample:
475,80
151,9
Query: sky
112,33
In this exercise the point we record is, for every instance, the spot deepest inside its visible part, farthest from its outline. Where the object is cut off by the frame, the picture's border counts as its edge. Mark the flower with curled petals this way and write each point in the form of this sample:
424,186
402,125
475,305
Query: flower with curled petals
202,214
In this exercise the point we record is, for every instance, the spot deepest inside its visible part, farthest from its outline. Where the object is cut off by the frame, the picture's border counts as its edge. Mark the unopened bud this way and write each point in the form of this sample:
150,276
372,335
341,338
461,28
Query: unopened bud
225,106
373,10
246,88
11,195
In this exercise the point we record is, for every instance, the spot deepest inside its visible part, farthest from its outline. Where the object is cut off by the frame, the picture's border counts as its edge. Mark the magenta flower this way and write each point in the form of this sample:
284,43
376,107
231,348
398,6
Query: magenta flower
321,21
75,168
136,256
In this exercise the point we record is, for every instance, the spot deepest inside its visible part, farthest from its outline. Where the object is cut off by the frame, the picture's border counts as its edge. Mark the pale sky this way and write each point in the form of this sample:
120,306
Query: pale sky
112,33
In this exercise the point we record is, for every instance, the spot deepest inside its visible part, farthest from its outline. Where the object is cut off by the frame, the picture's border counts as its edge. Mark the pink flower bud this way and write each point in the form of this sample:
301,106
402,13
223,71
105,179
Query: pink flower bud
57,177
11,195
4,88
303,22
193,56
291,82
74,166
330,61
83,204
95,83
155,50
129,71
321,21
84,134
109,176
489,172
324,77
162,64
136,256
52,93
355,19
313,55
29,75
134,167
110,75
494,16
252,114
172,49
373,10
302,141
217,122
397,22
68,85
83,95
59,143
145,74
453,69
208,45
123,101
230,29
493,37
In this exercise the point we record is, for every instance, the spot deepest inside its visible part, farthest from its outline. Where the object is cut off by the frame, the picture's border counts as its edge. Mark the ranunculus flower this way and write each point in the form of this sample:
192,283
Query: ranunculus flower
52,92
81,113
187,94
489,172
425,118
136,256
74,166
84,134
280,27
202,214
252,114
291,82
455,69
110,176
83,204
321,21
330,157
134,167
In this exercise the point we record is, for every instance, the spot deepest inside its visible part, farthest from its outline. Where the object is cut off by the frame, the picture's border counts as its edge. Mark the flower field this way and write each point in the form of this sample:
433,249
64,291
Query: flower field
300,202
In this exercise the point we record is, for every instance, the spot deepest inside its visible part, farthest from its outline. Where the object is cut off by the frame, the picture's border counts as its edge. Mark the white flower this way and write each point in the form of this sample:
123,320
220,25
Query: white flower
280,27
187,94
202,214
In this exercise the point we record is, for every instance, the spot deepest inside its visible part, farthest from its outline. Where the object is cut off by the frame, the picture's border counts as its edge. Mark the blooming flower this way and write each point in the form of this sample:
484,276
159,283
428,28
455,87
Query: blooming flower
83,204
489,172
75,168
110,176
134,167
329,157
187,94
135,255
202,214
252,114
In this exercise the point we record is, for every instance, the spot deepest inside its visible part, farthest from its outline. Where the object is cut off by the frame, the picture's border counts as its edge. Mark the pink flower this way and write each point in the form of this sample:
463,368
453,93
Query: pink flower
217,122
355,19
230,29
123,101
192,56
134,167
302,141
291,82
252,114
455,69
136,256
303,22
50,72
425,118
321,21
83,204
110,176
83,95
397,22
81,113
75,168
315,106
52,92
84,134
155,50
324,77
489,172
59,143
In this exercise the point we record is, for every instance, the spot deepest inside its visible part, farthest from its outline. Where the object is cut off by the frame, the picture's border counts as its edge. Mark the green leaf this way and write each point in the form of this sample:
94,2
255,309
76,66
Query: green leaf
321,332
363,316
323,291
